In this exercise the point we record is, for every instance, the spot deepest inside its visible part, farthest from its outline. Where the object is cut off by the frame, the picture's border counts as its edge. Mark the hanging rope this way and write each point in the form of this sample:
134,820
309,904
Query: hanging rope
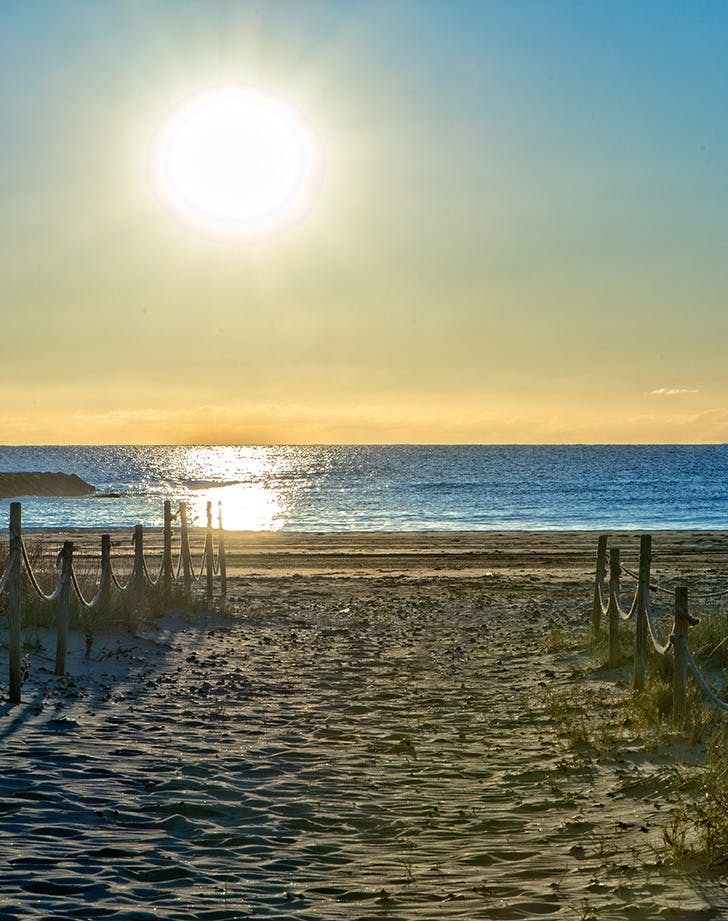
11,579
44,596
670,590
623,613
712,652
654,586
8,570
708,595
202,565
678,637
660,648
603,604
707,690
108,574
97,595
117,583
149,579
180,561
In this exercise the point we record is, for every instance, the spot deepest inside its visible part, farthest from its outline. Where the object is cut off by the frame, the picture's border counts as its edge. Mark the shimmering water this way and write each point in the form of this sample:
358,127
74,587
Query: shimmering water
382,487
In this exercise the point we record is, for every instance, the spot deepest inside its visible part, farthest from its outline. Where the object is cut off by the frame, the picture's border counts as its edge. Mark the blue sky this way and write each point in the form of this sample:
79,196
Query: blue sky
519,233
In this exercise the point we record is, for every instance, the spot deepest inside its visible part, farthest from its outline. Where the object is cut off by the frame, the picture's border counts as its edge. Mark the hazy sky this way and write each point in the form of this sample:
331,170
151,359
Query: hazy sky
520,232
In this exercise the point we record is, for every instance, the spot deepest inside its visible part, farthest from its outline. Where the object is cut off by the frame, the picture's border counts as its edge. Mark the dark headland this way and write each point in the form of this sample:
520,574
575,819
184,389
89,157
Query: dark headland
14,485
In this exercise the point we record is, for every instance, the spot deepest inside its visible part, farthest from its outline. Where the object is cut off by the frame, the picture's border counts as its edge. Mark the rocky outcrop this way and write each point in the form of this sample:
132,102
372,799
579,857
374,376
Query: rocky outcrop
14,485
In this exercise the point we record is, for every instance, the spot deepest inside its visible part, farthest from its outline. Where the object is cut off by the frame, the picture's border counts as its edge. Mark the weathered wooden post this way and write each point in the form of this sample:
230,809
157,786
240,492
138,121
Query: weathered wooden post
209,559
167,552
680,673
185,549
137,580
92,615
221,551
601,572
643,593
615,570
64,607
105,571
14,602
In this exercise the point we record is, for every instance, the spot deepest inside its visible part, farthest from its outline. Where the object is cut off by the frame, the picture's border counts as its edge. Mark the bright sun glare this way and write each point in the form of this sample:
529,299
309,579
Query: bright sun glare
236,162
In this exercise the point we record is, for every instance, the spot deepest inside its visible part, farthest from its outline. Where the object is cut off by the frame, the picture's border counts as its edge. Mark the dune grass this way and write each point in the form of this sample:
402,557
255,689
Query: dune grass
597,715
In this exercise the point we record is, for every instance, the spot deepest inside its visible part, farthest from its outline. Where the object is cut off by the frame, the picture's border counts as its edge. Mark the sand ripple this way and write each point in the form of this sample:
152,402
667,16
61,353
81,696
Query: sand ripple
342,749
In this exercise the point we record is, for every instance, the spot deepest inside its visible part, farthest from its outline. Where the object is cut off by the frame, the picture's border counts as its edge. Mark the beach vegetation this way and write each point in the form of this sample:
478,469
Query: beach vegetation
36,613
647,712
709,639
597,718
585,716
32,642
596,722
678,844
117,612
698,830
625,648
600,716
711,812
586,911
559,639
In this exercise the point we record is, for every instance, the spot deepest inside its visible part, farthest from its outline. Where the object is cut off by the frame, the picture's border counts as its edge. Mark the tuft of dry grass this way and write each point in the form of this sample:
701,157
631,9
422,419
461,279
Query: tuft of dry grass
709,639
598,720
698,832
115,614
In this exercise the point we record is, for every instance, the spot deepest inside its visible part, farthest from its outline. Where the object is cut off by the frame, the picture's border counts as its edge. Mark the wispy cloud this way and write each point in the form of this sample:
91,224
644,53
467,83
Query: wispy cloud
671,391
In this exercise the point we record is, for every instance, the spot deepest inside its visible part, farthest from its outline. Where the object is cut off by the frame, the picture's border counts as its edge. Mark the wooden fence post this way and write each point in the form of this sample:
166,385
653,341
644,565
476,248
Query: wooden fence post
167,552
185,549
64,607
643,590
90,617
105,570
599,580
680,673
615,570
14,602
137,586
221,551
209,561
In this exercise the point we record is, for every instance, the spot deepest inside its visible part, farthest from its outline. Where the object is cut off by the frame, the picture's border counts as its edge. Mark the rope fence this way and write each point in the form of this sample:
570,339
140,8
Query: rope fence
132,591
608,605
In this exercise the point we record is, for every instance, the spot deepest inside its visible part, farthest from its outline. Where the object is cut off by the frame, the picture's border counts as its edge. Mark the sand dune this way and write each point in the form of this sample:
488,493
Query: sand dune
363,736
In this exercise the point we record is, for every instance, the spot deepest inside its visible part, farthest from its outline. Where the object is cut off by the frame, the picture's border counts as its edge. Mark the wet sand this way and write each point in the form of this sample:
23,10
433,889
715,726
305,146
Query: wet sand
363,734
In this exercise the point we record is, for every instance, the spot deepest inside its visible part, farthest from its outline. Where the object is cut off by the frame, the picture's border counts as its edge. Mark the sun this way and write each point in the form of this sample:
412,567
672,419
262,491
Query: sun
236,162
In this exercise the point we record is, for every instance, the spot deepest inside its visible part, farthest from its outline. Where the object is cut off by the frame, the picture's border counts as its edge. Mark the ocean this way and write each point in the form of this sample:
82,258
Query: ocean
388,487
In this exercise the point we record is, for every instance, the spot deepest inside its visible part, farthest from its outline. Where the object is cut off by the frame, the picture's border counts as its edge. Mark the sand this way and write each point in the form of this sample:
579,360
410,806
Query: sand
362,734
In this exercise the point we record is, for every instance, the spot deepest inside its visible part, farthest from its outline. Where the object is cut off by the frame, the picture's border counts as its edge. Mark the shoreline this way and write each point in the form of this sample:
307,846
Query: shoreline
689,553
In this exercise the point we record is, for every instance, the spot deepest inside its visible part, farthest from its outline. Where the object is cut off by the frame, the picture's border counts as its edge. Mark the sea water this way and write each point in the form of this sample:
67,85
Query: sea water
387,487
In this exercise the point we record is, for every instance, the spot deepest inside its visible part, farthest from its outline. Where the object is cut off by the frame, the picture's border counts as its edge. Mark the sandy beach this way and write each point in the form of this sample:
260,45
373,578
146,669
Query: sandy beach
362,733
406,300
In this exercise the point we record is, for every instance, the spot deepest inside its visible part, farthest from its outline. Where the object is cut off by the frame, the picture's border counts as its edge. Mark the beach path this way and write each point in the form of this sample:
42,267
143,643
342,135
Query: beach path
345,744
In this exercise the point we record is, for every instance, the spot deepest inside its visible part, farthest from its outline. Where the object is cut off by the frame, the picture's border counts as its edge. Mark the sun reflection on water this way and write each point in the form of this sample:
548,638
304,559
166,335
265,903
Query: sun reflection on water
242,481
245,507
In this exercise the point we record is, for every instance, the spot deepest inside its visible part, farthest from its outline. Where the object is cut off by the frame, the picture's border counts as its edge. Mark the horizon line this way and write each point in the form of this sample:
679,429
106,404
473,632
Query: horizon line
369,444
